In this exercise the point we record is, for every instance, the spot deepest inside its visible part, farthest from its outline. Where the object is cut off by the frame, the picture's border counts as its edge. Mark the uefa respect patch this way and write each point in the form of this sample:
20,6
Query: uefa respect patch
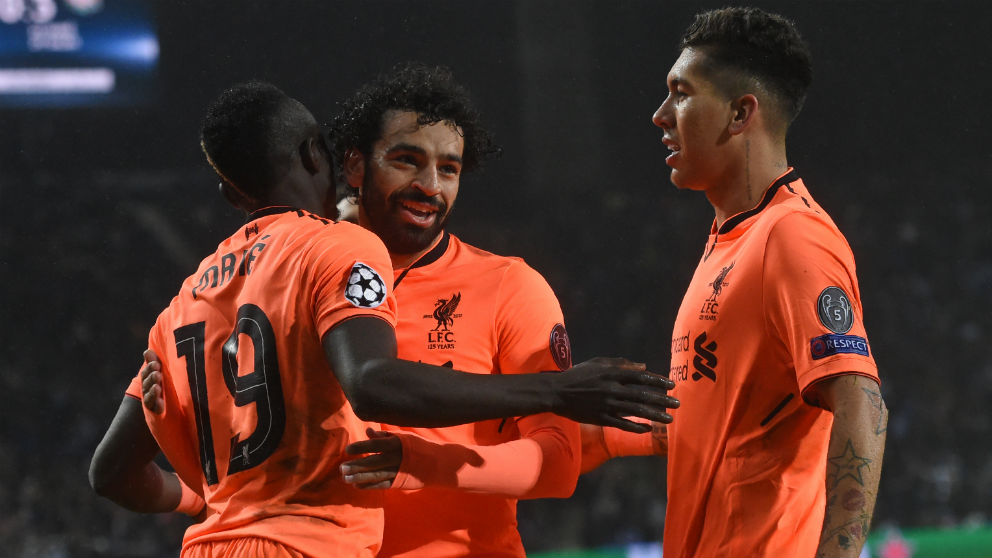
829,345
365,288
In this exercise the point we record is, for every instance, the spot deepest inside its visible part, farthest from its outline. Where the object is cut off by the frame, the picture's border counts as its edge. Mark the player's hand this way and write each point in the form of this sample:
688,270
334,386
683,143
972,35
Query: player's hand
604,390
379,467
151,383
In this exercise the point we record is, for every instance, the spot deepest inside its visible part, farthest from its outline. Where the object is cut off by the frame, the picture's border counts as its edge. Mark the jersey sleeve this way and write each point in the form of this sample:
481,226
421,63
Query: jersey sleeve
529,324
352,276
813,304
514,469
531,337
134,388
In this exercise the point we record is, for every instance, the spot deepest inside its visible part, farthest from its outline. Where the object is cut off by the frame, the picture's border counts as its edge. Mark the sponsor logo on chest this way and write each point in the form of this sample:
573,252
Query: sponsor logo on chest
442,335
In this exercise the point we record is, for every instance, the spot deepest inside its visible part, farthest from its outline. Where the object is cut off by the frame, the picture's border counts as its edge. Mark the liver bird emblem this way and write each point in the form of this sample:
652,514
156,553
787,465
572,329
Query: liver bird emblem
444,311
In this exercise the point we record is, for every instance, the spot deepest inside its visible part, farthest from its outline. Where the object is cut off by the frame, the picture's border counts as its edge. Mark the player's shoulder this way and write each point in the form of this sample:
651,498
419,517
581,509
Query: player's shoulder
470,256
799,228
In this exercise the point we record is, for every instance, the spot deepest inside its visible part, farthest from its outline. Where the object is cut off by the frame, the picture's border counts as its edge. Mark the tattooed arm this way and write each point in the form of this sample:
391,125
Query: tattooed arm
854,461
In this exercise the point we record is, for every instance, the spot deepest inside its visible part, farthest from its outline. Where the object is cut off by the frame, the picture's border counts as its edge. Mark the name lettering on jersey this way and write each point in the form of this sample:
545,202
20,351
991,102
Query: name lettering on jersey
705,360
709,308
679,372
829,345
218,276
441,337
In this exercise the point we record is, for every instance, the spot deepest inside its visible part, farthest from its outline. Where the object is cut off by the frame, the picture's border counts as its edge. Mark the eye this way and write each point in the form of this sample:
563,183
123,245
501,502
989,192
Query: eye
452,170
405,159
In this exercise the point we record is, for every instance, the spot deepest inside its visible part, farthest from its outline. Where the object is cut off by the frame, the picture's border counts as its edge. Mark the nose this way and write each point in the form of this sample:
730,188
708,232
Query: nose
428,181
663,116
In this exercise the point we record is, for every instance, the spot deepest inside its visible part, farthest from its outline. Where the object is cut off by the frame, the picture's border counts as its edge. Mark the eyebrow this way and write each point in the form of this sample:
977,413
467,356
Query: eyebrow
409,147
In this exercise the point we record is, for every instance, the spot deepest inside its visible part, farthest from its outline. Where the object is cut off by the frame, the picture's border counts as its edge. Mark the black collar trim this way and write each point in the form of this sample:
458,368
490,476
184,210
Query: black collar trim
729,224
428,258
271,210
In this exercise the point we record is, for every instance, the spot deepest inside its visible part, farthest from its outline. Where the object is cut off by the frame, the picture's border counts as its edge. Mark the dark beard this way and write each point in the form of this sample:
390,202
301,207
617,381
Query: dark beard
401,238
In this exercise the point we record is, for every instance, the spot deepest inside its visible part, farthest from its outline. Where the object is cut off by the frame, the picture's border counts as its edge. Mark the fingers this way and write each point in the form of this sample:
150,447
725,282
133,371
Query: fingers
151,387
375,471
649,379
624,424
371,479
640,410
150,356
375,445
620,362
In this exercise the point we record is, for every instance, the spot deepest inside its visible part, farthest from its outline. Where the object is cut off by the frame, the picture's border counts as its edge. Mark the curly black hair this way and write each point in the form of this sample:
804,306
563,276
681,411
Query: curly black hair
744,43
430,91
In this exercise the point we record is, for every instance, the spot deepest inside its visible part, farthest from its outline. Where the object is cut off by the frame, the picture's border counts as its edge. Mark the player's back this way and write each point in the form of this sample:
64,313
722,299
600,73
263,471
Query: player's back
254,415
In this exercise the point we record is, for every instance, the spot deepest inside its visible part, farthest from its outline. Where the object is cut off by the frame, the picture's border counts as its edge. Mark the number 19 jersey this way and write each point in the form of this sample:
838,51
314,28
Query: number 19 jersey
254,417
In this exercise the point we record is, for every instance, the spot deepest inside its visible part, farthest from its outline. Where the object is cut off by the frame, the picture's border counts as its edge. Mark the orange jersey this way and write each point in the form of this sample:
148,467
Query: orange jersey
255,419
472,310
772,308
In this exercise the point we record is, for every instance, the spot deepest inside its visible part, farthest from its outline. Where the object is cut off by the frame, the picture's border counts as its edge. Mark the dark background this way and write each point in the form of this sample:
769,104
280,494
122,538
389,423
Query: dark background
104,211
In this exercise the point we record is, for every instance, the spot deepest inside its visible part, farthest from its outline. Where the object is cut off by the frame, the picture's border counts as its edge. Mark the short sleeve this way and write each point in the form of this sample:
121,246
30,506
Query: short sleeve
812,301
352,275
530,326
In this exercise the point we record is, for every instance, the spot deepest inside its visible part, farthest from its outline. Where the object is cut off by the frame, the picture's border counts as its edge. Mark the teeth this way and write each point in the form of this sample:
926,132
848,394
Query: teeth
417,211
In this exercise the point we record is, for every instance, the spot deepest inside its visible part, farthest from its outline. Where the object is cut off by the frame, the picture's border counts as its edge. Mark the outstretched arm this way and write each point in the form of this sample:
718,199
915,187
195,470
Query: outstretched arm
123,468
854,460
542,463
602,443
381,388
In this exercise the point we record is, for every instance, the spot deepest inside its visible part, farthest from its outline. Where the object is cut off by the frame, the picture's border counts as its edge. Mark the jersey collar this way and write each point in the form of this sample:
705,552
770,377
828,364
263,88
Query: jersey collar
433,255
729,224
271,210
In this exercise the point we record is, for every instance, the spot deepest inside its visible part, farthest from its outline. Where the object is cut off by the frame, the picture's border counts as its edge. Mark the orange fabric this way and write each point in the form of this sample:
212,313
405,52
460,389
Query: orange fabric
190,503
272,454
240,548
504,322
747,455
620,443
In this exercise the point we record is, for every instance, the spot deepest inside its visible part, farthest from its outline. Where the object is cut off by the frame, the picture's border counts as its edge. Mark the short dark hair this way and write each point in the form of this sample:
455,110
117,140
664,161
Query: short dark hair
250,133
430,91
744,44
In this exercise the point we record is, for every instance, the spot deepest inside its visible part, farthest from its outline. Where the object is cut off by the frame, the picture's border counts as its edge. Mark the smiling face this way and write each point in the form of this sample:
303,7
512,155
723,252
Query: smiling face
408,182
695,118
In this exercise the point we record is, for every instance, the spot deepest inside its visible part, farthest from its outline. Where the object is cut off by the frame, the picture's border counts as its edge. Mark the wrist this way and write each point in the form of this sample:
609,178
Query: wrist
190,503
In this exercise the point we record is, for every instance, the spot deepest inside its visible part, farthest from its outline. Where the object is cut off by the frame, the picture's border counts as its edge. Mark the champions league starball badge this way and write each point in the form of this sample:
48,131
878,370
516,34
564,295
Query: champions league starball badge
834,310
365,288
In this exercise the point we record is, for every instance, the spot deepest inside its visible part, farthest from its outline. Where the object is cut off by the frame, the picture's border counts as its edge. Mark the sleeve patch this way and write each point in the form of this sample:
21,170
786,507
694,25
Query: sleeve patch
829,345
365,288
561,348
834,310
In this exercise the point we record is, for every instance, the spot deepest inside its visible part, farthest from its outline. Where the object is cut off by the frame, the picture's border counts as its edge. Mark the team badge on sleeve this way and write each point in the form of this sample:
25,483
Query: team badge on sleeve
834,309
561,348
365,288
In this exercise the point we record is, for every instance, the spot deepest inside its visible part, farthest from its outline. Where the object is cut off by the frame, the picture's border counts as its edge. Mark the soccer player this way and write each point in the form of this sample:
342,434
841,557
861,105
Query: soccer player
279,347
777,447
404,141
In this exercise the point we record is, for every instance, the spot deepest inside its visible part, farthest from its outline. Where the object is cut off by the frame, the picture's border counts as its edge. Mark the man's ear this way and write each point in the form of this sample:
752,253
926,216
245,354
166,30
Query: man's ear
354,167
311,152
744,110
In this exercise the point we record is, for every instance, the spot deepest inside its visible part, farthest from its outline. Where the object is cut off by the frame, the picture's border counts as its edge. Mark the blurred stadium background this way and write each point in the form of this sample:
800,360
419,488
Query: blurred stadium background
106,204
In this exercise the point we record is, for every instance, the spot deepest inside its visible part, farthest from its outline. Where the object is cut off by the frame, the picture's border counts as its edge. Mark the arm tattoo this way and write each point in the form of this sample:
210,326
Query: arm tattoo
847,464
876,401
